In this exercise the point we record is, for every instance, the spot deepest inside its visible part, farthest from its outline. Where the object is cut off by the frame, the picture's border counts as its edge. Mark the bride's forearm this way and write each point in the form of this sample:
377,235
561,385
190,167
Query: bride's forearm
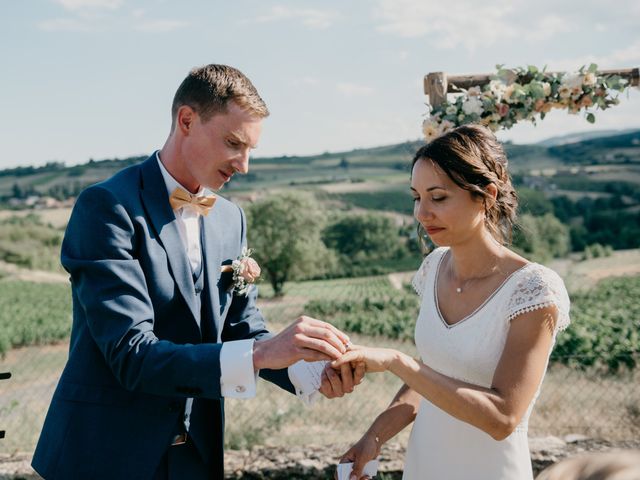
401,412
481,407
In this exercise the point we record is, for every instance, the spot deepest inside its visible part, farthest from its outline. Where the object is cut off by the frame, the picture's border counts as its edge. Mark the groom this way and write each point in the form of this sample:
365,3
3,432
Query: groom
159,337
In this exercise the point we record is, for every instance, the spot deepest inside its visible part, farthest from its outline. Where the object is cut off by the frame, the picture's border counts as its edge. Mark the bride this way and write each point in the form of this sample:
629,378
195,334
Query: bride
487,323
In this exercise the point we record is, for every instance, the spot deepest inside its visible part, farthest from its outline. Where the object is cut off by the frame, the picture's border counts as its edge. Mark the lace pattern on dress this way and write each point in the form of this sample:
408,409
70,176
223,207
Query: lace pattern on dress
539,287
419,280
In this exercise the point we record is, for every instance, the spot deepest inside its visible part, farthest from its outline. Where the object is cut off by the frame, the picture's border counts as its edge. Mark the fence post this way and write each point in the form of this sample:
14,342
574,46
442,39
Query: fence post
4,376
435,85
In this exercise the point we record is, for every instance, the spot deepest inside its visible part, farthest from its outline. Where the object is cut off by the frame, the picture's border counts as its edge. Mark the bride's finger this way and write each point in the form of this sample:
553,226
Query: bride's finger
350,356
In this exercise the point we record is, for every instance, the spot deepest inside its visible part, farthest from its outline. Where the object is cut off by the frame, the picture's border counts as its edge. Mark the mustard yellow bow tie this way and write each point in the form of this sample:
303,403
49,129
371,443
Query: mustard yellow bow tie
180,198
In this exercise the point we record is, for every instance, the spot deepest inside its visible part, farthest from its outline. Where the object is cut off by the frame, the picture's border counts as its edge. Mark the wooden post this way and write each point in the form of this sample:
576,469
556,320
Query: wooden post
454,83
435,85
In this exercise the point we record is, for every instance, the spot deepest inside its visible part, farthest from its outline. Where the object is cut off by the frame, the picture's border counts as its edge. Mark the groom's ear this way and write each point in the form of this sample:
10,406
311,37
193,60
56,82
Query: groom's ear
185,118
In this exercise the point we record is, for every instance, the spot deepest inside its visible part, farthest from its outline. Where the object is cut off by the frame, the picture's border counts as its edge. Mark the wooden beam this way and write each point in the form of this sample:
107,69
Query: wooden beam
456,82
435,85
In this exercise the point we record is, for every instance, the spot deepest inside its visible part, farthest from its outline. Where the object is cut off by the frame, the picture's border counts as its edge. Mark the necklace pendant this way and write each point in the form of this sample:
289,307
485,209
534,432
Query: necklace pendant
459,290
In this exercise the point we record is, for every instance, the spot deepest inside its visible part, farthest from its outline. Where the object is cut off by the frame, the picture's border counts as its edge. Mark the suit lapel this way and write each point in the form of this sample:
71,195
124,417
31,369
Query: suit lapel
156,201
212,256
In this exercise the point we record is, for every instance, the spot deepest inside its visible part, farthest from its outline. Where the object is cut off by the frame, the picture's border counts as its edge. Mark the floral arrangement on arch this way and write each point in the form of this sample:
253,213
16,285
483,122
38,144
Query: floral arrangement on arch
519,94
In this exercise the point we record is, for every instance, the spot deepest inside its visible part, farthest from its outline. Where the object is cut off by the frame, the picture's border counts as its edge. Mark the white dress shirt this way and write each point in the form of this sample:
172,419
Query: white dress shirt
237,376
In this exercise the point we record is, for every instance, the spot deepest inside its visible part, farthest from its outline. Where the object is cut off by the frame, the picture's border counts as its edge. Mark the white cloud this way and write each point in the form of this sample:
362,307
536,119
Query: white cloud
624,57
467,23
449,27
75,5
547,28
304,82
160,25
309,17
354,89
65,25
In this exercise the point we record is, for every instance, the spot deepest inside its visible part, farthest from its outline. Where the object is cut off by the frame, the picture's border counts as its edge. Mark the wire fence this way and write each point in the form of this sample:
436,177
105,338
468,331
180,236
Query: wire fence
593,403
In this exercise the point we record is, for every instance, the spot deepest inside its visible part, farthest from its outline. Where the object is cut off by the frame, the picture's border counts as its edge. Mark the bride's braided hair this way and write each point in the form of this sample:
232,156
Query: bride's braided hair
473,158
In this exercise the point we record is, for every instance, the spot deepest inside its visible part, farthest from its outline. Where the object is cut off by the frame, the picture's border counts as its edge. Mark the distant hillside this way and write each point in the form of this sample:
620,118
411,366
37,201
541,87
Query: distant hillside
384,164
582,136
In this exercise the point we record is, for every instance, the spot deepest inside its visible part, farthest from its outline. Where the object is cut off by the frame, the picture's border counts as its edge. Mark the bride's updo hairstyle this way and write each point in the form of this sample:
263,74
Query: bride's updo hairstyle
473,158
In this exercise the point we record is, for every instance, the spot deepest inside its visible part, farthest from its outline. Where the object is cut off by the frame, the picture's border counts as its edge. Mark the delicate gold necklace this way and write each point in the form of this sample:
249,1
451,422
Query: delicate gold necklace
464,284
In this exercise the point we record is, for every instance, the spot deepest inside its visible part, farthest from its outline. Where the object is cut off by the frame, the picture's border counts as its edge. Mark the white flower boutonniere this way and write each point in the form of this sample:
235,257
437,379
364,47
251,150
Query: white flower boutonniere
245,272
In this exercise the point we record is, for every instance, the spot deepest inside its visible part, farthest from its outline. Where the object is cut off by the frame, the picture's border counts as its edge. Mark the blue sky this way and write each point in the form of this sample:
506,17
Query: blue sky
94,79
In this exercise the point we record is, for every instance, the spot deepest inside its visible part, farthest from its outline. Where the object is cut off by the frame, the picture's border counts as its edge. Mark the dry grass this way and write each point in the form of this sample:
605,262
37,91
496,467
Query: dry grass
570,402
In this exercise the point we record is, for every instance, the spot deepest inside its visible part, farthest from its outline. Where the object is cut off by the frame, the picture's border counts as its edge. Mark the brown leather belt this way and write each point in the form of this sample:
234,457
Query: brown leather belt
179,439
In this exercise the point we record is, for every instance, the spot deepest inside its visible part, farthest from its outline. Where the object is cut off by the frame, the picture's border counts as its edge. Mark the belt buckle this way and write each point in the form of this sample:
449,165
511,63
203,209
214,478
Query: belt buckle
179,439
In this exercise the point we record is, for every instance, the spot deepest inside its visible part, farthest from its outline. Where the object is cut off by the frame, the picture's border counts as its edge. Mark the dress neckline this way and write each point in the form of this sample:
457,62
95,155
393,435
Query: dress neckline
481,306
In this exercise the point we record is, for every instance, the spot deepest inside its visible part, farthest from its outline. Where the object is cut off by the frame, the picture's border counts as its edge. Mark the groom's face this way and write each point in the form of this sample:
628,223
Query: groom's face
216,149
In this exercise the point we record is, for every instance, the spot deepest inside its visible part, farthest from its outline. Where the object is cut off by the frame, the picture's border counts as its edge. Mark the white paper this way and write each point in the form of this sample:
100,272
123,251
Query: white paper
370,469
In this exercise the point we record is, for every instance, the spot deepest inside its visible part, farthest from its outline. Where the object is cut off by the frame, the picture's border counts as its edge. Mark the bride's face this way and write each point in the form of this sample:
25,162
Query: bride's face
448,213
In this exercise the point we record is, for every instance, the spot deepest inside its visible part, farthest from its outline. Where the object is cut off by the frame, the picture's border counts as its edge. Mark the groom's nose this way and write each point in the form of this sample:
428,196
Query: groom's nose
241,163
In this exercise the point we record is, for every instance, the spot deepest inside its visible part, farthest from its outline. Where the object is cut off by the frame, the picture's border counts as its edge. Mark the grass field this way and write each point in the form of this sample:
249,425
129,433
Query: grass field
569,400
607,404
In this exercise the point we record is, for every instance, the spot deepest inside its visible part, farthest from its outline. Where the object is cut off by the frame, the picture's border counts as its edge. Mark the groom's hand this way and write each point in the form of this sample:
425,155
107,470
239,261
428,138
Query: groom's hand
336,383
305,339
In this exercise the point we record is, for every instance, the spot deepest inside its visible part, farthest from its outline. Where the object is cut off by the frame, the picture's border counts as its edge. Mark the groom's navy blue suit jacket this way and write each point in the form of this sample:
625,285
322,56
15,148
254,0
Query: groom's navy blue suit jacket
140,342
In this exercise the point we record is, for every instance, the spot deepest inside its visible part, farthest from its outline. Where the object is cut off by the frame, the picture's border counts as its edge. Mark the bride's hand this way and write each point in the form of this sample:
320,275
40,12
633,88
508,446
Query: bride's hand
374,359
367,448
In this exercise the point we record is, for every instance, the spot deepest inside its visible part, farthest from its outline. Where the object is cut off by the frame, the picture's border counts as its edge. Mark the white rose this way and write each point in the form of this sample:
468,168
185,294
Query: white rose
546,88
589,79
472,105
564,91
572,80
497,88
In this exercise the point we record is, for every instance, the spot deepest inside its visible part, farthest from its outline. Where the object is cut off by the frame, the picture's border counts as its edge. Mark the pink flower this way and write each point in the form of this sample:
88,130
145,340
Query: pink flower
249,269
541,106
585,101
503,109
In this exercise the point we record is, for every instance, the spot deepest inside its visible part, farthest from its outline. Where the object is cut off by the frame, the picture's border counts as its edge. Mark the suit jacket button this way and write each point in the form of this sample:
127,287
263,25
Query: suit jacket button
240,389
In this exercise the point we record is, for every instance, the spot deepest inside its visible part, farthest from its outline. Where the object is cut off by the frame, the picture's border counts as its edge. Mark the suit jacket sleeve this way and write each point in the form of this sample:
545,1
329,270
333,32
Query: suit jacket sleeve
111,294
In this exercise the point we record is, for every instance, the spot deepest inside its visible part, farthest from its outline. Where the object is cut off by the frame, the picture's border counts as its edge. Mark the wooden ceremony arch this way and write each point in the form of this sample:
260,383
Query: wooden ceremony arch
438,84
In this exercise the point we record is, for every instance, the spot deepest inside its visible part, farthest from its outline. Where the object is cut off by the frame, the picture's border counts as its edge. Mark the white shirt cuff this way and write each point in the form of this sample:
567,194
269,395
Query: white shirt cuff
306,379
237,377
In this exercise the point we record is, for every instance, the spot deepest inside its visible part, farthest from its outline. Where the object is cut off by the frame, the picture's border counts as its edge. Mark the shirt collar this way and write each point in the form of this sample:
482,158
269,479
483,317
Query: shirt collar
171,183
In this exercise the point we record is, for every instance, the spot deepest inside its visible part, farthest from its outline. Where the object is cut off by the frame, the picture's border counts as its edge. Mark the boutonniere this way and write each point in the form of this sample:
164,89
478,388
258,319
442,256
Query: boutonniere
245,272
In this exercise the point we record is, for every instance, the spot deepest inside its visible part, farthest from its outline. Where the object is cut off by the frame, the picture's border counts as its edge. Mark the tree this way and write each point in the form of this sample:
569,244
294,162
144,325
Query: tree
284,232
364,236
541,238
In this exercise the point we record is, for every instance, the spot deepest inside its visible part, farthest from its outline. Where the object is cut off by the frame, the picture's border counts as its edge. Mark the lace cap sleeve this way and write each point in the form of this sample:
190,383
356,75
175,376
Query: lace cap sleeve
539,287
419,280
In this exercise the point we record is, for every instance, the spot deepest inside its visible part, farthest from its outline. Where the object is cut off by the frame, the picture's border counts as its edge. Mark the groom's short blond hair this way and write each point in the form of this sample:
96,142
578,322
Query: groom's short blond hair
209,89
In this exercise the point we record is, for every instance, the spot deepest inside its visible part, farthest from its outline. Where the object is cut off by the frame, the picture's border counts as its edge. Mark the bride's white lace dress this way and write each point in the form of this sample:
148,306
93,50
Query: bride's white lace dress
442,447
